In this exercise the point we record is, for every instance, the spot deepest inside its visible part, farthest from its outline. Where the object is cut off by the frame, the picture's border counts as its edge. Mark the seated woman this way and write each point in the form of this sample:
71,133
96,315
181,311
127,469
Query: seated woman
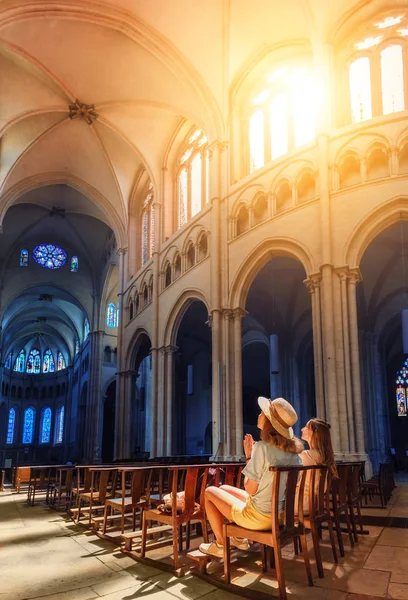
316,433
251,508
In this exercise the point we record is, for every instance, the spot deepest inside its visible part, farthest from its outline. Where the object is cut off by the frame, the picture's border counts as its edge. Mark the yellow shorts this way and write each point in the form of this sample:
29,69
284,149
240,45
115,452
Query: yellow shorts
250,518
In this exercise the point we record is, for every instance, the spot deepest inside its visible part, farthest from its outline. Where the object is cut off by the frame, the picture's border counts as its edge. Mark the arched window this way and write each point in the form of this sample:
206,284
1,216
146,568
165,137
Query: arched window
28,425
392,79
360,89
34,362
202,247
24,258
177,267
59,425
281,116
86,329
260,209
60,361
74,264
401,390
8,361
242,220
148,226
193,176
45,428
19,365
48,362
112,315
190,256
167,275
10,426
131,310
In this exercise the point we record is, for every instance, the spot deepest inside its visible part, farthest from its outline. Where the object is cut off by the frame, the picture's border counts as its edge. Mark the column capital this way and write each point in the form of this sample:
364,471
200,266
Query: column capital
343,273
312,282
120,251
355,275
239,313
165,350
227,313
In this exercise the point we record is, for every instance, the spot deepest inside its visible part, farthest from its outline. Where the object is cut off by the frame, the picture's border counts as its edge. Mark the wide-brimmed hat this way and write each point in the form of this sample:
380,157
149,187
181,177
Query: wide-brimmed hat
280,413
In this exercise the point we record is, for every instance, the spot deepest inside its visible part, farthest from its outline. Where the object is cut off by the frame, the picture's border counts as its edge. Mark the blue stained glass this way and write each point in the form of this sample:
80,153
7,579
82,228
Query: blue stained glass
8,362
112,315
28,426
46,426
10,426
34,362
74,264
24,258
86,329
59,425
402,390
76,346
60,361
49,256
20,362
48,362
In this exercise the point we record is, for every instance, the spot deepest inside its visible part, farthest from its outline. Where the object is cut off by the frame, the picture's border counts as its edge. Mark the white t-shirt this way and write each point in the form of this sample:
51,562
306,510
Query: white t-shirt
264,456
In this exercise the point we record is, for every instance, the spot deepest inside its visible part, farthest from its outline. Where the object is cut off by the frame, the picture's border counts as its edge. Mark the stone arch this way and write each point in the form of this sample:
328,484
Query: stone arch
177,312
259,257
134,345
371,226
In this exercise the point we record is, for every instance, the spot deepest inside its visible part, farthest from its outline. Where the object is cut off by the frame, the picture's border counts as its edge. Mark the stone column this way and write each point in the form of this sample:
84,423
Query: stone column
123,408
354,278
229,405
238,433
313,285
169,397
95,408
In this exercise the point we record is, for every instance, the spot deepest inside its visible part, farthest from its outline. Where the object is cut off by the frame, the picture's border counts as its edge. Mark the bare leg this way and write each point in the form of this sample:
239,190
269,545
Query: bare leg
218,504
237,492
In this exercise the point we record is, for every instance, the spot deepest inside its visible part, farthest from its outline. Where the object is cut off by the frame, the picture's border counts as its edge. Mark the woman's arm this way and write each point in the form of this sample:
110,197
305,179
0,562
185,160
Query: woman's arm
251,487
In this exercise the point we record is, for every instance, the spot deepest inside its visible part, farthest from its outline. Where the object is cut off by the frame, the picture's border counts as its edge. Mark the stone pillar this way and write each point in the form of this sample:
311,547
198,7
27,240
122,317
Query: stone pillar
123,408
169,397
313,285
229,405
95,408
238,433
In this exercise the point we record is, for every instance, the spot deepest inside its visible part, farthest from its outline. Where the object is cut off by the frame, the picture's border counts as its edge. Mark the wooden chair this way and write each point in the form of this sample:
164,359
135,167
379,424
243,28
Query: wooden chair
380,485
340,504
62,487
318,485
98,493
192,509
140,482
354,495
279,535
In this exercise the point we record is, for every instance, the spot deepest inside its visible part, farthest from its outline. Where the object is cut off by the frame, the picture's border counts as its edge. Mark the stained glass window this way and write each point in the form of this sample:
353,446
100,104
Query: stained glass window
60,361
182,197
196,184
8,362
76,346
86,329
24,258
74,264
19,365
45,435
49,256
360,89
28,425
152,229
111,315
10,425
48,362
59,425
401,391
34,362
256,140
392,79
145,233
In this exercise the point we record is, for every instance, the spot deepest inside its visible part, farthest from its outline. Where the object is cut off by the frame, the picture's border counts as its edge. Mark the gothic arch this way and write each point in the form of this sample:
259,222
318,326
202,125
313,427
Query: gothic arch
177,312
371,226
259,257
134,345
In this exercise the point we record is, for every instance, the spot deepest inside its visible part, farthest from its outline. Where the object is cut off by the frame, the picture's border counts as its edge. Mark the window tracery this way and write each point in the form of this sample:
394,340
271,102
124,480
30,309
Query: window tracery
28,425
59,425
10,426
48,362
60,361
401,390
112,315
19,365
46,415
49,256
192,176
34,362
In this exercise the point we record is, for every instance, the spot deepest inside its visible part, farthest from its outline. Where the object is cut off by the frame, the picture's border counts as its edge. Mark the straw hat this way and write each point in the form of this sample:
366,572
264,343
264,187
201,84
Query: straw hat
280,413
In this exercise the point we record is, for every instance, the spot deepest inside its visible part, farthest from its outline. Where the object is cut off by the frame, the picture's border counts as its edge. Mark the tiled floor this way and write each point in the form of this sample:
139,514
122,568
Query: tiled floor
44,555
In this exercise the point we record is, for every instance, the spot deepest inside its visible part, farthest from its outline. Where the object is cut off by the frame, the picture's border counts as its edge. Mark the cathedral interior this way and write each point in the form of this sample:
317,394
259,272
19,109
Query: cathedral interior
201,203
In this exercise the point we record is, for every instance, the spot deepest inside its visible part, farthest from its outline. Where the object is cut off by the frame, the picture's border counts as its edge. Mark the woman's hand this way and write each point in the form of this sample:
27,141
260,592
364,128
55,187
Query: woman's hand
248,444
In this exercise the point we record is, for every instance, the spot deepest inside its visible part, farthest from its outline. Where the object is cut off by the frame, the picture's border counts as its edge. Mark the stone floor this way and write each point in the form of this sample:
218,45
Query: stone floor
44,555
